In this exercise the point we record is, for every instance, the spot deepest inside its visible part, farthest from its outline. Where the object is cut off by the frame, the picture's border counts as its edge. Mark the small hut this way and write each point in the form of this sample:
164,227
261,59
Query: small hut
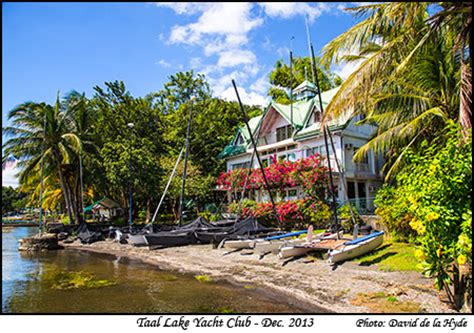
104,209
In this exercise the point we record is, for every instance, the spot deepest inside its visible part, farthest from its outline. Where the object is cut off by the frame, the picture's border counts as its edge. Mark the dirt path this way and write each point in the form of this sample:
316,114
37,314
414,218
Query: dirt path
313,282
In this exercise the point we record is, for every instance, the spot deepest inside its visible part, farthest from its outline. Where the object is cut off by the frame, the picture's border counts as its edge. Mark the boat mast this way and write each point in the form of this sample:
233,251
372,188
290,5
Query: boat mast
181,201
256,153
249,170
167,185
291,80
324,129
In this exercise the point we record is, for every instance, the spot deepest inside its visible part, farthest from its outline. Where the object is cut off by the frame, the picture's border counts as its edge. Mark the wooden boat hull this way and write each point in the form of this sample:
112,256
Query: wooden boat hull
347,252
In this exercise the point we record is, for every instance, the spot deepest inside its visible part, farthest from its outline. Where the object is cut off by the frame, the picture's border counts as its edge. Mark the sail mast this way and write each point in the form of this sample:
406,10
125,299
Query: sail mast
256,153
324,129
181,201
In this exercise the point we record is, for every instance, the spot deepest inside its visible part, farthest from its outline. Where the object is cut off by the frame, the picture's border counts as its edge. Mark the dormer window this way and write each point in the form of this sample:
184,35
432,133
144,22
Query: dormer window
283,133
239,140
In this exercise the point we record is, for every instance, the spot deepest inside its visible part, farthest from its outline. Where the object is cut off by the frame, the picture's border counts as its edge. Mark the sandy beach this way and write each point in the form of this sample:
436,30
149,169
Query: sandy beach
346,288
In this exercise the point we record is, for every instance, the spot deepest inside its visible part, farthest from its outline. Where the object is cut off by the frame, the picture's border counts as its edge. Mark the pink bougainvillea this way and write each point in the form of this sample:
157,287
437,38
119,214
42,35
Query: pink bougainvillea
309,173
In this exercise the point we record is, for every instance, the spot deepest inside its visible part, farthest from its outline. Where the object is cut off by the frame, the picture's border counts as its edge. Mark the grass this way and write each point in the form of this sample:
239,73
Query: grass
392,256
381,303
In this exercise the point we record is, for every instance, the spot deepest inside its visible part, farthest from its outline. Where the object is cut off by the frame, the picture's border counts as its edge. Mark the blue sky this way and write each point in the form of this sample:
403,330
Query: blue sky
51,47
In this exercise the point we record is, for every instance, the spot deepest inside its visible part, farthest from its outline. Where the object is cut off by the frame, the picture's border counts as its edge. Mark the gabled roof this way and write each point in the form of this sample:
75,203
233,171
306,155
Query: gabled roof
300,111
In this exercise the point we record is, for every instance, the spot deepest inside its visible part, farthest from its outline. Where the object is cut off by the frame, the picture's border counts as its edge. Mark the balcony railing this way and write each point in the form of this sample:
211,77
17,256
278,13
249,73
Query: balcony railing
362,167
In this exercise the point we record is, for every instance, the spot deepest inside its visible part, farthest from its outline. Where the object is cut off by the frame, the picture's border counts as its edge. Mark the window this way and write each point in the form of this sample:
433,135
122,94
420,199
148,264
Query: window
283,133
291,157
317,116
240,165
281,158
308,152
239,140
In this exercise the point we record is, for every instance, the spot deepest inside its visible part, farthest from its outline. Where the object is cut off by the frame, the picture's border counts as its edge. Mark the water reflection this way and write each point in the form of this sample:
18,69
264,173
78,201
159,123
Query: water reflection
139,288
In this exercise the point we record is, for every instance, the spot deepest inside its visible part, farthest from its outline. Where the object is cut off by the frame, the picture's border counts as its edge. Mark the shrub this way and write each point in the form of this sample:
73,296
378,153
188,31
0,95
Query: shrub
432,195
344,213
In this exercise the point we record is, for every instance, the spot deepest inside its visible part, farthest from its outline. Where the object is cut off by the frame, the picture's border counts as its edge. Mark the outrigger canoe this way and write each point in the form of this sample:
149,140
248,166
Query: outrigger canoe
356,247
250,243
320,243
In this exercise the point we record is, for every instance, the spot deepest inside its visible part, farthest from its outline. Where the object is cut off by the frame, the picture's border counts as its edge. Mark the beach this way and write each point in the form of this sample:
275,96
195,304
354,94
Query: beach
346,288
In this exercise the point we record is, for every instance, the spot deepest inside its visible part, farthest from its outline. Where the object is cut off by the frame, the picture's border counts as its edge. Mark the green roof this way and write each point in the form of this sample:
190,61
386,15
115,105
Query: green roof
301,112
305,85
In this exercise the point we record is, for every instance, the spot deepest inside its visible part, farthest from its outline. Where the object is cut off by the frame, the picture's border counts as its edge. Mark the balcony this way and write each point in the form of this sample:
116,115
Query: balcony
362,167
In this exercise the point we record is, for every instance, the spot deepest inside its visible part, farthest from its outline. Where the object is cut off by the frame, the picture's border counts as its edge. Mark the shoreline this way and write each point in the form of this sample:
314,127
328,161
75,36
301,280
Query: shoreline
310,284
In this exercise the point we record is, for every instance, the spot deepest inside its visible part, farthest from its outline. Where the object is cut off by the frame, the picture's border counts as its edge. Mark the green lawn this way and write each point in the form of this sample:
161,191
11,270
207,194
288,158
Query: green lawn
392,256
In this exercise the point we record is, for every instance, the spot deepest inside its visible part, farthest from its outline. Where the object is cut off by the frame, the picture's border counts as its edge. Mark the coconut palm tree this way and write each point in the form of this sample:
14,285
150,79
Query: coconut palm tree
37,124
409,80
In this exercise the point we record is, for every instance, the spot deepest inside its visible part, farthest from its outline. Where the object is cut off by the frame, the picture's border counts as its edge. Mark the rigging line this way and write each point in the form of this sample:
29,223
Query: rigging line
333,204
167,185
309,49
181,201
343,177
256,152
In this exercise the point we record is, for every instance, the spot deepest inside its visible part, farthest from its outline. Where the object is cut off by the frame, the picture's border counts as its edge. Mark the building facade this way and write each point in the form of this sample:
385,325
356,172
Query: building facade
292,132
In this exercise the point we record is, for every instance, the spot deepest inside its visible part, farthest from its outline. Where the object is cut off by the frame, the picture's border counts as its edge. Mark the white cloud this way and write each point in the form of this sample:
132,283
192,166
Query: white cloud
288,10
235,57
346,69
261,85
184,8
8,175
247,97
163,63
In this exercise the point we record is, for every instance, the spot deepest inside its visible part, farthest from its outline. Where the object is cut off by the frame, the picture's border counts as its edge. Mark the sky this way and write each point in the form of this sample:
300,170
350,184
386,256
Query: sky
58,47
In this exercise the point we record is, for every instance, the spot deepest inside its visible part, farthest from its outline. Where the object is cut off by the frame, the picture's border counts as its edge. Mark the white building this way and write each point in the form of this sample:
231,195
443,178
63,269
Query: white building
294,132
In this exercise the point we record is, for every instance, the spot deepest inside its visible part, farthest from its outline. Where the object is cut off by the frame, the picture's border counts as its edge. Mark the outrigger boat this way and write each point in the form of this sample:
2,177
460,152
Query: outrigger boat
355,248
286,252
251,243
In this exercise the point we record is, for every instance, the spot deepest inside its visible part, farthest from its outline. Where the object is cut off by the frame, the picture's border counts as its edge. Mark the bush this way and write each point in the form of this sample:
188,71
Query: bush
64,219
347,222
432,196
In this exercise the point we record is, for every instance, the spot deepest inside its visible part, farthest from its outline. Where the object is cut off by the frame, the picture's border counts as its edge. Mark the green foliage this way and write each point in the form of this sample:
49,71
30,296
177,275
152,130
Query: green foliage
344,213
12,199
280,77
436,189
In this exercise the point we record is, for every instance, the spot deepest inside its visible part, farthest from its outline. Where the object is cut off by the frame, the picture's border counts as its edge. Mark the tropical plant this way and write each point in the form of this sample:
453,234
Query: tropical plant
434,190
42,133
412,78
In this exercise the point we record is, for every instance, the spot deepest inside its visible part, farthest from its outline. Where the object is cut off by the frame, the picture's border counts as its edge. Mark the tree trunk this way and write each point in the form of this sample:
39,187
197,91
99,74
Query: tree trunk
148,211
66,195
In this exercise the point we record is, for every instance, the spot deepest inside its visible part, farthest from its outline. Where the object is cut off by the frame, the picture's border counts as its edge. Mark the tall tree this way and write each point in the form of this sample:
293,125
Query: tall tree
38,124
280,78
408,82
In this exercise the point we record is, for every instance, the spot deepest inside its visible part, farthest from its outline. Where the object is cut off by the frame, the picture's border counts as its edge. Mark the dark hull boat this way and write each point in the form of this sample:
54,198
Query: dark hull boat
184,235
246,228
137,237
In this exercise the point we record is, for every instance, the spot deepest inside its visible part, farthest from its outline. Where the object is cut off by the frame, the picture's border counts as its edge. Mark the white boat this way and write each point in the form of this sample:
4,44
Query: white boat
356,247
136,240
262,247
302,249
249,243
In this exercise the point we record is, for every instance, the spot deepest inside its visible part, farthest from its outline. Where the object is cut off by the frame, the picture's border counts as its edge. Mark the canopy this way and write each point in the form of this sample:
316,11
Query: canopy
104,202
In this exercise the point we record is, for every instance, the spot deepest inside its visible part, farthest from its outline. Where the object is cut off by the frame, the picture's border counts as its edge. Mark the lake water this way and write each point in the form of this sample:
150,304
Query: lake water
137,288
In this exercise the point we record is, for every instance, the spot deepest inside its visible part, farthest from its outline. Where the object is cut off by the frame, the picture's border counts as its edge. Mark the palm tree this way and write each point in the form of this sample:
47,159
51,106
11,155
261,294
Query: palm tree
37,124
408,82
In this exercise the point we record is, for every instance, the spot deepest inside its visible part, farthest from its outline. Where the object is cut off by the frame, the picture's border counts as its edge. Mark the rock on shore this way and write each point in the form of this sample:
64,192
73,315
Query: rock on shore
44,242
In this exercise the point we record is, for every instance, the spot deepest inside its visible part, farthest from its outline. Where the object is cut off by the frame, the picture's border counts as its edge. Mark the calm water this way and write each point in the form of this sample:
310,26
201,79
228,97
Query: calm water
139,288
